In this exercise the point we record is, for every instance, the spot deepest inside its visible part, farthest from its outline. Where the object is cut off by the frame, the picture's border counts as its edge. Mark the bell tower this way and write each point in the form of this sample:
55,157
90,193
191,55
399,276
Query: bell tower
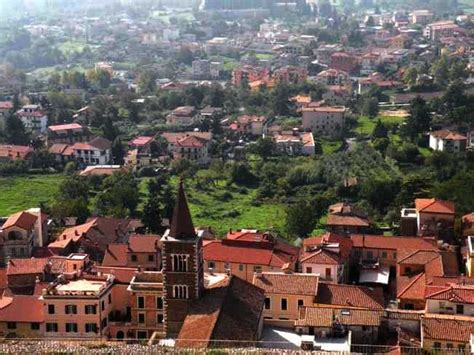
183,275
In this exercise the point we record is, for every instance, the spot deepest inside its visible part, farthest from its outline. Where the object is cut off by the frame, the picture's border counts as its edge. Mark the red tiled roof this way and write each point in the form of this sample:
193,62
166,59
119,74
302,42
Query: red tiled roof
141,141
122,275
328,109
26,266
345,243
392,243
468,218
63,127
21,309
144,243
58,148
417,257
231,311
433,205
23,220
448,135
173,138
350,296
3,279
6,105
192,142
325,317
335,220
322,256
411,287
447,328
454,293
292,284
115,255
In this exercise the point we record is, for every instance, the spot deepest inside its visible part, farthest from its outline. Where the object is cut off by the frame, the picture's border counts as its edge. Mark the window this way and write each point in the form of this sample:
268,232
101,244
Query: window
35,326
142,334
409,306
437,345
284,304
241,267
110,298
180,262
267,303
90,309
141,302
71,327
11,325
51,309
159,319
159,302
211,264
328,272
300,303
408,270
384,254
91,328
70,309
102,304
141,318
180,291
226,266
370,255
461,347
134,258
449,345
257,269
309,270
151,257
52,327
460,309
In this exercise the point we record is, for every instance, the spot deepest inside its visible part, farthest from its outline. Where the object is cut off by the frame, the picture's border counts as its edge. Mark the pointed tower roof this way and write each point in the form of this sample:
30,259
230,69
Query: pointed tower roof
181,224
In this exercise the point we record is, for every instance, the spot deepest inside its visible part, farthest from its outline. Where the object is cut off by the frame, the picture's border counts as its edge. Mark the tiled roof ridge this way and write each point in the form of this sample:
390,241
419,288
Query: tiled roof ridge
407,287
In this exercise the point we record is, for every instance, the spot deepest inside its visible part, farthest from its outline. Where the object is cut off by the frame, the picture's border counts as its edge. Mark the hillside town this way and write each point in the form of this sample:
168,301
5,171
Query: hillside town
237,176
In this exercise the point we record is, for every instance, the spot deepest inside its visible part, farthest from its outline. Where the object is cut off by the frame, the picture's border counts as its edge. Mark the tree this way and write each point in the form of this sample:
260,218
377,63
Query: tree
152,215
419,120
440,71
279,100
370,22
15,131
109,131
380,131
370,107
118,152
147,82
119,196
301,218
72,199
264,148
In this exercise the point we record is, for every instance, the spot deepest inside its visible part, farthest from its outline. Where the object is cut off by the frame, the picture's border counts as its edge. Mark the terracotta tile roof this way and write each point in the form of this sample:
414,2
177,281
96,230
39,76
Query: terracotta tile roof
123,275
3,279
173,138
63,127
21,309
447,328
468,218
335,220
115,255
326,317
322,256
192,142
231,311
350,296
6,105
58,148
418,257
144,243
448,135
15,151
23,220
411,287
292,284
141,141
454,293
26,266
325,109
390,243
433,205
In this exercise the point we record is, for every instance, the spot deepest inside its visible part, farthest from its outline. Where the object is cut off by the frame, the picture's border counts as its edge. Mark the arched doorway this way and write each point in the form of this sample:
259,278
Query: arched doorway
120,335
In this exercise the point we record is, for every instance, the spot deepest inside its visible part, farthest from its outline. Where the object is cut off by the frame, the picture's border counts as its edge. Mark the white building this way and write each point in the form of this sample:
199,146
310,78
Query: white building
447,141
95,152
33,118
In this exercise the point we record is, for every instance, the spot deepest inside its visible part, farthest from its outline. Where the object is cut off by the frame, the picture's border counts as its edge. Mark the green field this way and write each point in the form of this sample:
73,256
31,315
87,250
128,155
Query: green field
70,47
23,192
366,125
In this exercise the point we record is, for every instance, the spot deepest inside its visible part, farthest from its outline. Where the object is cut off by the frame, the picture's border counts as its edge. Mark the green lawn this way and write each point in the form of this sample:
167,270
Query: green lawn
70,47
228,63
366,125
330,146
236,211
264,56
23,192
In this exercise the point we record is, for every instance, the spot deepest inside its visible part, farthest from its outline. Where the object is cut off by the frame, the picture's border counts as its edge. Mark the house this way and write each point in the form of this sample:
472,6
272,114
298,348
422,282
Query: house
333,295
336,95
325,121
244,252
416,270
21,232
141,151
34,119
290,74
21,316
344,61
67,134
332,77
78,307
362,324
141,251
295,142
193,146
201,69
248,74
182,116
454,299
343,218
251,125
93,237
435,217
10,153
421,17
435,31
142,143
300,101
285,294
61,152
210,113
448,141
446,333
5,109
95,152
468,224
